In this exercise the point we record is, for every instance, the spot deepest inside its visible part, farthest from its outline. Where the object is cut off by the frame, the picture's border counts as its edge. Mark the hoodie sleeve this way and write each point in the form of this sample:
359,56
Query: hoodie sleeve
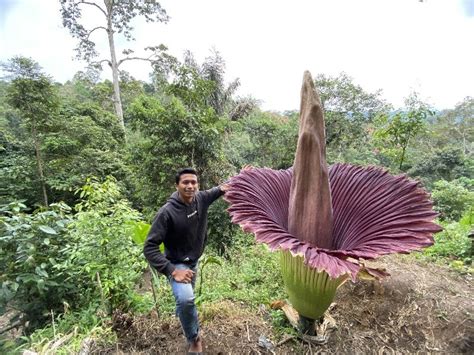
209,196
155,237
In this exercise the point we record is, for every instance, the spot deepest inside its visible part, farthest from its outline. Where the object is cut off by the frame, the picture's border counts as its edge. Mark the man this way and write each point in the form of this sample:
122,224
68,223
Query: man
181,224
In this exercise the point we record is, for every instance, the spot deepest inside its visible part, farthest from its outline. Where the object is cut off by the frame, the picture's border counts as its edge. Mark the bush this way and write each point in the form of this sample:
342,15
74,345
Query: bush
454,242
103,259
32,250
222,232
454,198
447,163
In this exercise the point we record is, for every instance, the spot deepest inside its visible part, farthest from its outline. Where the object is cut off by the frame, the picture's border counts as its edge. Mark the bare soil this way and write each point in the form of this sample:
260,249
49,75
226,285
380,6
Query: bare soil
420,308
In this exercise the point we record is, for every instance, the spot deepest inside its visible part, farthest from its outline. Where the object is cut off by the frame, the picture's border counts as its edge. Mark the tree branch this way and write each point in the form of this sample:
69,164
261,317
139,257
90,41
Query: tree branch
96,28
102,61
91,3
135,58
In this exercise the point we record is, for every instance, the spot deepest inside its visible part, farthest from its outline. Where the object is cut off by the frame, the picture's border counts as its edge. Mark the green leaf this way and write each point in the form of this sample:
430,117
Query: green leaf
46,241
40,284
212,260
39,271
139,231
47,229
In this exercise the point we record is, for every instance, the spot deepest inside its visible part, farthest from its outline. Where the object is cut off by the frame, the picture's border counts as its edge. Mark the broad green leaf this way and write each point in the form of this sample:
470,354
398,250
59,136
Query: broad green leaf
139,230
47,229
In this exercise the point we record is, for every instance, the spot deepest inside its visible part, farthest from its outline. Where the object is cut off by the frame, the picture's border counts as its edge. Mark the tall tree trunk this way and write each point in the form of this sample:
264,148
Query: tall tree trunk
40,165
402,158
113,64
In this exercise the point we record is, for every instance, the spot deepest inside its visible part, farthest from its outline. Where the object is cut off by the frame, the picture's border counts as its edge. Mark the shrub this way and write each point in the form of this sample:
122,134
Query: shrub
103,259
452,199
454,242
32,250
222,232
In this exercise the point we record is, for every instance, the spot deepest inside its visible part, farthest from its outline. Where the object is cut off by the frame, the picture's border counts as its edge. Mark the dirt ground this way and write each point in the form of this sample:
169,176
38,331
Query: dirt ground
420,308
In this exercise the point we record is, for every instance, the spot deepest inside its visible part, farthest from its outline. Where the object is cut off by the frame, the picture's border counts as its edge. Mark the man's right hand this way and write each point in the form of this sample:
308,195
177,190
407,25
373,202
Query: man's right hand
184,276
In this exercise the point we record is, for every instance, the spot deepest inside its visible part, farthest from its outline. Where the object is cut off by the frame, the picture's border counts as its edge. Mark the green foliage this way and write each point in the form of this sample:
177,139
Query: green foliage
85,88
221,231
263,139
32,247
139,231
453,199
454,127
397,130
193,139
32,94
17,173
453,242
250,274
447,163
84,141
53,144
348,111
191,88
445,150
212,72
73,327
203,263
104,262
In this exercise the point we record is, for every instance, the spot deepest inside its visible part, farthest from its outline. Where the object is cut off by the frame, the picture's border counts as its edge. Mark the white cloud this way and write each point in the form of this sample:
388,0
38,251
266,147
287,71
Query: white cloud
394,45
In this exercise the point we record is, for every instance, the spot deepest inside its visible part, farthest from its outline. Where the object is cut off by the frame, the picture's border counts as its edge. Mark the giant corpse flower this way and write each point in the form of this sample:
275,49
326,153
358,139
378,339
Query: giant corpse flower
326,220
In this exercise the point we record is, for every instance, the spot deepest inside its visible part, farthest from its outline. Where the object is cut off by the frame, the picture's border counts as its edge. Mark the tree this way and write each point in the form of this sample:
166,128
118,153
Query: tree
216,94
263,139
400,128
34,96
445,163
213,70
445,151
194,138
348,110
84,141
455,127
117,19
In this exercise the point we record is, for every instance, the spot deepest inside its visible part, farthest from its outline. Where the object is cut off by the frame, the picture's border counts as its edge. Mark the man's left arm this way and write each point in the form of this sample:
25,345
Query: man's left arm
212,194
216,192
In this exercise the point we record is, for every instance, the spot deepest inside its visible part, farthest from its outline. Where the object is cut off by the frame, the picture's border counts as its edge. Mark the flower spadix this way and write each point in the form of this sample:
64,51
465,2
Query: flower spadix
324,220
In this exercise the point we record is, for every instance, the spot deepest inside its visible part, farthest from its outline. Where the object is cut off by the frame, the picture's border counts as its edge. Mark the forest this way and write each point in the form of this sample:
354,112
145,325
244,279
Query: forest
85,165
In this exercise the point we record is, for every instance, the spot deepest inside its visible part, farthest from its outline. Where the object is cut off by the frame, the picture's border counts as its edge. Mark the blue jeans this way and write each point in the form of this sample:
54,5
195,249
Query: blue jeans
185,308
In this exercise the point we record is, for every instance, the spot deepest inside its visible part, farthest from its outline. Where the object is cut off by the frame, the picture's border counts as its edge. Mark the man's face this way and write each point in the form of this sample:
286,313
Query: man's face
187,186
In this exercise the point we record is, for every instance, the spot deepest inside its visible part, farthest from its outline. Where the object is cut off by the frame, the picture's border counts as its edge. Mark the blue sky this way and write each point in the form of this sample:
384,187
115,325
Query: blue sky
394,45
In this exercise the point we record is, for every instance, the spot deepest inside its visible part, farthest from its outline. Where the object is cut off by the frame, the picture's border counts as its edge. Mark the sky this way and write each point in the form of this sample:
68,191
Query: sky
398,46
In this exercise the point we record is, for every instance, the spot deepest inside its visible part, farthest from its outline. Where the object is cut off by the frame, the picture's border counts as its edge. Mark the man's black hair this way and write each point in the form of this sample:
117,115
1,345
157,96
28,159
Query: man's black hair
184,171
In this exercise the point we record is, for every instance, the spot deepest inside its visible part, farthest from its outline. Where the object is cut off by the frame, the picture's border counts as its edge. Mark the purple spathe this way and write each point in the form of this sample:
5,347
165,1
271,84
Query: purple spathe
374,214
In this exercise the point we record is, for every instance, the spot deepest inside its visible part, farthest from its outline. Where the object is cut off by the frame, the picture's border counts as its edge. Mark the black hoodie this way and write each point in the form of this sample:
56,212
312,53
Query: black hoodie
182,229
